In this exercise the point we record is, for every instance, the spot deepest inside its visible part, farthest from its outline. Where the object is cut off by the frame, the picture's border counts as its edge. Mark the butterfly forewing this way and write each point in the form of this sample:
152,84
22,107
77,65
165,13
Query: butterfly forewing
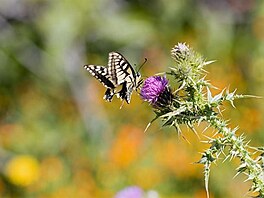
118,68
101,73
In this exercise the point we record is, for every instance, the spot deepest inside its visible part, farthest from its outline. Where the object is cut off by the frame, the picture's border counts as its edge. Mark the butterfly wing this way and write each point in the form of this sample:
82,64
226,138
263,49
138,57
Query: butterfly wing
109,93
119,72
100,73
122,73
119,68
127,89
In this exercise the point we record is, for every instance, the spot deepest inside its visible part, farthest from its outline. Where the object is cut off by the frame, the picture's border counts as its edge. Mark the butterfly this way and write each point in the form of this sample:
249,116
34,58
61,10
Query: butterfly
118,73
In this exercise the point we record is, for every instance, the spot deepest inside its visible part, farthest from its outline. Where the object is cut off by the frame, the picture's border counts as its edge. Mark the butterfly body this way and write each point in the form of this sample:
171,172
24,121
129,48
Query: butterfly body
118,73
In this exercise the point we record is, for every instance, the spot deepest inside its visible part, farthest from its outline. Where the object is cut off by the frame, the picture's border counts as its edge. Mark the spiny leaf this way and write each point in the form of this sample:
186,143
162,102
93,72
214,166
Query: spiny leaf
150,123
173,113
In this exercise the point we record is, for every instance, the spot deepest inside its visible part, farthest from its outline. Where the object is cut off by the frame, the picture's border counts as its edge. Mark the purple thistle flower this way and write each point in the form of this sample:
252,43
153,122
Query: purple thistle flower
130,192
155,90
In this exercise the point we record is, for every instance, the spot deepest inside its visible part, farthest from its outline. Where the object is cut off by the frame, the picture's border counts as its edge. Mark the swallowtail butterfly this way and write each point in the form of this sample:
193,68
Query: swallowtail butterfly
118,73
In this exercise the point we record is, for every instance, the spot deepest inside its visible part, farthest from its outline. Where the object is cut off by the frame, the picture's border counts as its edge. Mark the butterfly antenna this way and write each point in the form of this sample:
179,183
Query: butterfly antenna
142,64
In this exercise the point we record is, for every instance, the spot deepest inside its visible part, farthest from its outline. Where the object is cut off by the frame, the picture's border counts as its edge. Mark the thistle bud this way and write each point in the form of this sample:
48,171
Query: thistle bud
180,52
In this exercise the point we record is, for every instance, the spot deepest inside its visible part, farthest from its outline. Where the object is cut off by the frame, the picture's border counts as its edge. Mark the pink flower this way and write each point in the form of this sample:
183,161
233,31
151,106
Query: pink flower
130,192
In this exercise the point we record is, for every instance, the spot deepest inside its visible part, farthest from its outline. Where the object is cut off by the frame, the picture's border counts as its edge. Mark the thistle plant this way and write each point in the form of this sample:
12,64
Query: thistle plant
187,100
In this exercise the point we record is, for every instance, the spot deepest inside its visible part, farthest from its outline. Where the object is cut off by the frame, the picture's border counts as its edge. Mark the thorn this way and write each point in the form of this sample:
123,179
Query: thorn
147,127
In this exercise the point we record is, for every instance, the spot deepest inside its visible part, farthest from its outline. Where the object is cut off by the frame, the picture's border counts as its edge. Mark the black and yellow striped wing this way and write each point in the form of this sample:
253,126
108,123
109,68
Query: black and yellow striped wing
101,73
118,73
119,69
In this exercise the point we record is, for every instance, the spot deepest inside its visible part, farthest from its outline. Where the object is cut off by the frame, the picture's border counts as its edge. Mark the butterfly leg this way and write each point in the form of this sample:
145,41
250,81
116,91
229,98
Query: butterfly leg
109,93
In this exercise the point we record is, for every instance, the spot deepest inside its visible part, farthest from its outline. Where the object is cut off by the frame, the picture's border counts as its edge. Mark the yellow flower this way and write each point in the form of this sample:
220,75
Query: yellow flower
22,170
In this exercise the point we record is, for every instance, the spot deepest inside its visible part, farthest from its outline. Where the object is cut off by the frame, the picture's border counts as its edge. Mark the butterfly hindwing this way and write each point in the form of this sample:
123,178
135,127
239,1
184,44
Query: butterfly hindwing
109,93
128,86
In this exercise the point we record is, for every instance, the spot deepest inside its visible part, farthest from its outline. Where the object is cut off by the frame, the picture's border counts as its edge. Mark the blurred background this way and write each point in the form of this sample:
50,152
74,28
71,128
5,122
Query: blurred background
59,138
